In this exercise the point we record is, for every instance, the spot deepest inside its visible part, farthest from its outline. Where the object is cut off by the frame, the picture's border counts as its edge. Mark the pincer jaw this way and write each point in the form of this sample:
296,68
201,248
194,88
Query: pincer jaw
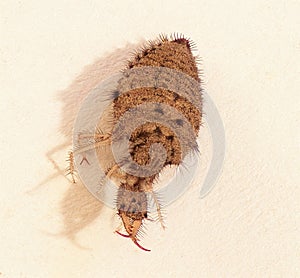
134,241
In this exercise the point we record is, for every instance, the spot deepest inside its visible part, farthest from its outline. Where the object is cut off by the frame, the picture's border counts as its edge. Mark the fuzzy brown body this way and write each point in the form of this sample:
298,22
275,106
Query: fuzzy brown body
171,53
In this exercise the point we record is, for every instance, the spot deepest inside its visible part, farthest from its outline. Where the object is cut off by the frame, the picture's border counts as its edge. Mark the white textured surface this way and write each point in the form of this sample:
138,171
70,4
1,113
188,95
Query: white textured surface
248,226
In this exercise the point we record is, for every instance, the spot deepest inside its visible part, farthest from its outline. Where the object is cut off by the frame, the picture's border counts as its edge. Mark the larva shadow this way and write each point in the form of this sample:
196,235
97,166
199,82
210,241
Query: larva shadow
93,74
79,207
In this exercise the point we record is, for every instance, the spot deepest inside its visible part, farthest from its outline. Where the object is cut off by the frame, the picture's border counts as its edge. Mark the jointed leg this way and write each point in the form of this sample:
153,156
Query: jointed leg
104,140
158,209
71,168
100,140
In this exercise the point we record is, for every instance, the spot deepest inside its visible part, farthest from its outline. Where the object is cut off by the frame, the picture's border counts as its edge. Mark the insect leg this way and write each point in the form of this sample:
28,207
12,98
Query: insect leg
71,168
96,136
112,170
100,140
158,209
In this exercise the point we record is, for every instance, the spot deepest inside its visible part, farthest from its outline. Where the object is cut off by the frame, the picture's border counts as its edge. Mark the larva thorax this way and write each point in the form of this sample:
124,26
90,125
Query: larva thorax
173,54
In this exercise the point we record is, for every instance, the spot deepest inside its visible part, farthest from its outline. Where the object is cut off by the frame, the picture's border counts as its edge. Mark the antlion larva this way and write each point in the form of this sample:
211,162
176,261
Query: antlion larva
158,100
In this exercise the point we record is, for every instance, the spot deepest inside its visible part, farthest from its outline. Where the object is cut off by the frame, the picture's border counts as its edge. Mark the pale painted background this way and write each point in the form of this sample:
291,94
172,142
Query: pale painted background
53,52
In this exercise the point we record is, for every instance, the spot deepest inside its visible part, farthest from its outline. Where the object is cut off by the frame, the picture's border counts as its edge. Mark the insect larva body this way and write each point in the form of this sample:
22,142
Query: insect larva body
174,54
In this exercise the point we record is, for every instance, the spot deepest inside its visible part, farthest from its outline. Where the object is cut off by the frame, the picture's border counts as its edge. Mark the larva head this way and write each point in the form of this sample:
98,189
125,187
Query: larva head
132,207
